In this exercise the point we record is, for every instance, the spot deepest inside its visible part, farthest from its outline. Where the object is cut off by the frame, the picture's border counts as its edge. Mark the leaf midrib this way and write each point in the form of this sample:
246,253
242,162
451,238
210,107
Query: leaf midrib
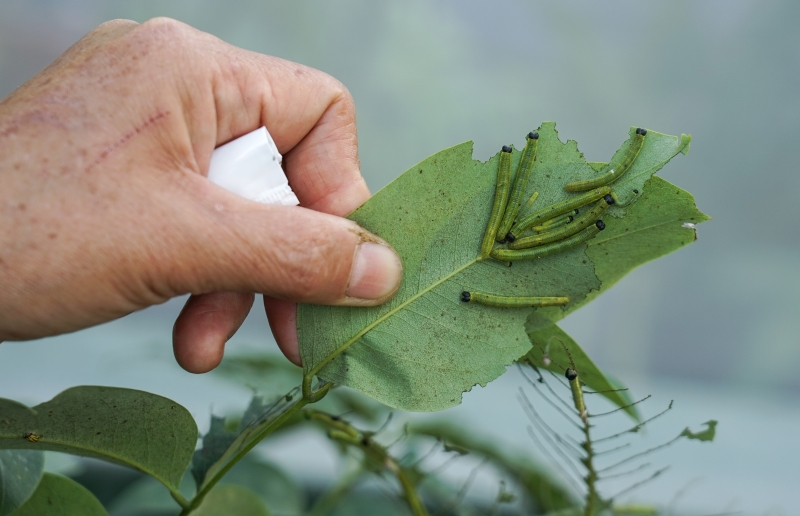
644,228
95,452
385,316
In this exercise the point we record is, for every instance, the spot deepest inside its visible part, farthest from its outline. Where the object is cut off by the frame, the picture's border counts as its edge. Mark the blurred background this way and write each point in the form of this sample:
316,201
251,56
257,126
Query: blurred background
714,325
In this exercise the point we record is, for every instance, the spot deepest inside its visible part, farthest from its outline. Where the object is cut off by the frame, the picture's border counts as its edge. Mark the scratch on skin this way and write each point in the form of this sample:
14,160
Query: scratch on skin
126,138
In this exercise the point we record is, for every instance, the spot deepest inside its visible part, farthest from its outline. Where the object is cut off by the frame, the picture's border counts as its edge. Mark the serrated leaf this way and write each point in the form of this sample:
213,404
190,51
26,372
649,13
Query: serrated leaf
545,492
422,349
133,428
653,226
704,435
214,443
20,472
260,420
61,496
219,444
226,500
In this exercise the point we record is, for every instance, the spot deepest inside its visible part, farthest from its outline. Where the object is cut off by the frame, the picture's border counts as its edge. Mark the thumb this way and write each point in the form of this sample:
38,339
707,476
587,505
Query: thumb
290,253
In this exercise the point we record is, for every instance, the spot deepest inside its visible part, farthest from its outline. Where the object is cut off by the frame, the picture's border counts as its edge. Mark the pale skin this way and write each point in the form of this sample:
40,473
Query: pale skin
106,208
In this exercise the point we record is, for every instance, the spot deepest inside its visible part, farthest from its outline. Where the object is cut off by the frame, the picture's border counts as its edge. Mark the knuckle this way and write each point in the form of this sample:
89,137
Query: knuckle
111,26
164,25
315,263
164,34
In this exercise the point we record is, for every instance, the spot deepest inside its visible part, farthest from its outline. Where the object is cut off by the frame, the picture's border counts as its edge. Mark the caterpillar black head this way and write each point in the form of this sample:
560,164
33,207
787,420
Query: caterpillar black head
533,135
571,374
509,237
465,297
507,149
609,199
641,131
600,225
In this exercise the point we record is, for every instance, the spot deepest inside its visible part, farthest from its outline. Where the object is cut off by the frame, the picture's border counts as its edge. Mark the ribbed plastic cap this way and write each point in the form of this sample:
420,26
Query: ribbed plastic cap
250,166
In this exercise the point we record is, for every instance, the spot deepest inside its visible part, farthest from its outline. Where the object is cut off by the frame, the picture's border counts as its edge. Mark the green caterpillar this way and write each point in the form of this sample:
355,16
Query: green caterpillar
565,231
555,222
577,392
500,201
531,200
511,301
512,255
554,210
617,171
520,184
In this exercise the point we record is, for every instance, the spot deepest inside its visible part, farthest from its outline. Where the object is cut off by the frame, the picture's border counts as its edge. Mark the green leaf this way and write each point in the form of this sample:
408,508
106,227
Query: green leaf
60,496
653,226
230,499
545,492
214,444
547,339
423,349
20,472
128,427
221,443
705,435
252,430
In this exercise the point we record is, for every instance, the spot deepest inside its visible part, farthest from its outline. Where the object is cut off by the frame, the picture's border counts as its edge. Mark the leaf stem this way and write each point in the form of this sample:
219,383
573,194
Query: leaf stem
591,473
264,432
178,497
410,491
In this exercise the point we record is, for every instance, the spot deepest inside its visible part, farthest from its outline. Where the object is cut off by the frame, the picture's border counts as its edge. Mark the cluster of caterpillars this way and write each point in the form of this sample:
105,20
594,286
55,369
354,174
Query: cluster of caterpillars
555,228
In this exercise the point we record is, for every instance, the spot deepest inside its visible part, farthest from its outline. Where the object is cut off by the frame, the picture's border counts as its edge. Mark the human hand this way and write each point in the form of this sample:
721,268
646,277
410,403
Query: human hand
106,209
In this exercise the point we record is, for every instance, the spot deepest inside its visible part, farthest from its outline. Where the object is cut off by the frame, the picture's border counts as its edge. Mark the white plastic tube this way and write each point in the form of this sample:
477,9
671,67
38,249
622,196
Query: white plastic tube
250,166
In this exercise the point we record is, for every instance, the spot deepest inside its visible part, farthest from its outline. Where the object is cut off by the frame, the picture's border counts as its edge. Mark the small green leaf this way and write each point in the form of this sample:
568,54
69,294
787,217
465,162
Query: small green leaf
20,472
220,442
251,431
704,435
133,428
226,500
424,348
548,353
546,493
61,496
214,444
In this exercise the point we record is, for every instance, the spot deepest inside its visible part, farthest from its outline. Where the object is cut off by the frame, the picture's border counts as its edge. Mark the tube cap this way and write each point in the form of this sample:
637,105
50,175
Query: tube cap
250,166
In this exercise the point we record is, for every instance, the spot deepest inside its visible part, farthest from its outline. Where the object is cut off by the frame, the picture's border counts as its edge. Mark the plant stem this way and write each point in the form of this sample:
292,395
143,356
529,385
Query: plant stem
591,474
343,431
410,491
264,432
178,497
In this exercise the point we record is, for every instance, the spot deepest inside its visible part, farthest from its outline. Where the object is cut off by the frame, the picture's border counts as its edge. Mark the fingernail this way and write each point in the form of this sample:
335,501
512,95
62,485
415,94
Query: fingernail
376,272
